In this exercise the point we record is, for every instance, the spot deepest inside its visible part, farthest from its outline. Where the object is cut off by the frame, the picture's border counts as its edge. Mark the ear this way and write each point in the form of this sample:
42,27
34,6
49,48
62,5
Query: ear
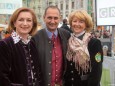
44,17
14,24
60,18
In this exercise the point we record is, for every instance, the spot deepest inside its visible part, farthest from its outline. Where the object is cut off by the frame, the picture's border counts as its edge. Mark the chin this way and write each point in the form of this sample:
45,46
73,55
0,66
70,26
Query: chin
76,32
52,29
25,32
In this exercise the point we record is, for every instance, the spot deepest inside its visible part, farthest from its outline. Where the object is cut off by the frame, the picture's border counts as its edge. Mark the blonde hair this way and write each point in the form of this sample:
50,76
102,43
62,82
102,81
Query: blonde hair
82,15
14,17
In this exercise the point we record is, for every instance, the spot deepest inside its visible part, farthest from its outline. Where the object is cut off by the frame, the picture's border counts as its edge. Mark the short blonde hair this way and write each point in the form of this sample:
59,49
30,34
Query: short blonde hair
15,15
82,15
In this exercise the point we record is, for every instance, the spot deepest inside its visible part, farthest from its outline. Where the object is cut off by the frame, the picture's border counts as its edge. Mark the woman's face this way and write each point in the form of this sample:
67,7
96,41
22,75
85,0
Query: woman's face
24,23
78,25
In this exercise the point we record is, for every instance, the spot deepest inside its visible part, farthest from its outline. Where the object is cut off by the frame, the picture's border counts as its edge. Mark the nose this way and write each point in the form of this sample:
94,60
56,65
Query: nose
25,22
52,20
77,23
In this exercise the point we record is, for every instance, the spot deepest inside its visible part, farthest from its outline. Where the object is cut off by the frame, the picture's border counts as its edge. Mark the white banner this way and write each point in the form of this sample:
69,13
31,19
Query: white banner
9,6
105,12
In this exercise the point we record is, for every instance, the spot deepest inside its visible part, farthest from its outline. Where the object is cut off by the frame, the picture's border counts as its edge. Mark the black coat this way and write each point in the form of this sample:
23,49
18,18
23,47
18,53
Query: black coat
13,65
44,46
72,78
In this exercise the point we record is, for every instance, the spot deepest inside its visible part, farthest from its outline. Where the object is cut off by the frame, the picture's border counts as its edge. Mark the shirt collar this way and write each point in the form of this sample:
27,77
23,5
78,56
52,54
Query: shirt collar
77,35
50,33
17,38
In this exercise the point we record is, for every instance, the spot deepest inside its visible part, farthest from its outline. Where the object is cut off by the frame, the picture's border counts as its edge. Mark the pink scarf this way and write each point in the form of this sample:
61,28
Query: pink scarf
78,52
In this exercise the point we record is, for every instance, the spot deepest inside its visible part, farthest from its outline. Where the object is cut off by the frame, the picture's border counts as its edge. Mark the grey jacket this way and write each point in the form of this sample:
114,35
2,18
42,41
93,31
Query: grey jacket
44,47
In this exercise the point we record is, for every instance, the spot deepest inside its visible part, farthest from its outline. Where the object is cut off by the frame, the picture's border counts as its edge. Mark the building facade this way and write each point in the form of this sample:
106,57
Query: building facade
65,6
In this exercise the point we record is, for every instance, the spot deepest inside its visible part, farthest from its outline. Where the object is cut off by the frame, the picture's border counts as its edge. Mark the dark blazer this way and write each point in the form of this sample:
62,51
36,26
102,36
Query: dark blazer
13,64
72,78
44,46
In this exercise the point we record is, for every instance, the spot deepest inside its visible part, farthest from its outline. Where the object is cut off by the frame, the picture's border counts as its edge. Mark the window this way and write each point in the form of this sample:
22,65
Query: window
81,3
66,6
61,6
72,5
50,3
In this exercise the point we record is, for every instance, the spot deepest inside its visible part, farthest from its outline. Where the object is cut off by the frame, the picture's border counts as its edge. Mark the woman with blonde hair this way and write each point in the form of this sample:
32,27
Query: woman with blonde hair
84,54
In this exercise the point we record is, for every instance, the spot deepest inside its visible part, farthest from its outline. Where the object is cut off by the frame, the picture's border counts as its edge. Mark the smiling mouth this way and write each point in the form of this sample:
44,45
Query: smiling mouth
24,27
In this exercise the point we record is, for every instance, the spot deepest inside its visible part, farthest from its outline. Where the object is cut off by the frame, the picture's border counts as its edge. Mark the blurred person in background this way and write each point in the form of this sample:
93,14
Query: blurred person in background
84,54
7,34
65,25
19,64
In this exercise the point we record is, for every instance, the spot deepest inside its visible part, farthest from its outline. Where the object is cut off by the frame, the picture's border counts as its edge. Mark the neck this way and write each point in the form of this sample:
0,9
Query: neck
24,36
77,35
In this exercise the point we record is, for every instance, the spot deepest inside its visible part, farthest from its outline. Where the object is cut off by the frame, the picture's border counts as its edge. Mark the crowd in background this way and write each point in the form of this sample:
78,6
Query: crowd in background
105,33
101,34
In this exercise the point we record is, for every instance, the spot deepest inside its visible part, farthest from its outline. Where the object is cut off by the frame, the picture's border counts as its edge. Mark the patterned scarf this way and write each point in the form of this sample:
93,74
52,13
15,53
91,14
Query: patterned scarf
78,52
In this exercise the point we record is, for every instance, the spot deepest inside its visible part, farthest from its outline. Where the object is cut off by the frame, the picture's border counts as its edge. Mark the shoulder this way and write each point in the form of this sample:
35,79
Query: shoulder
94,42
6,43
39,36
64,32
39,33
6,40
2,43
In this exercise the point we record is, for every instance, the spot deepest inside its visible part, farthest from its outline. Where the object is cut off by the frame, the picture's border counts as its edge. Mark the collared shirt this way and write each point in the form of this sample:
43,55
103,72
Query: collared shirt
50,33
77,35
17,38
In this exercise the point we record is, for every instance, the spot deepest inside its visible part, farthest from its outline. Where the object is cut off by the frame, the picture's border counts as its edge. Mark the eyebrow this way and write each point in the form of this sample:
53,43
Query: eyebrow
52,17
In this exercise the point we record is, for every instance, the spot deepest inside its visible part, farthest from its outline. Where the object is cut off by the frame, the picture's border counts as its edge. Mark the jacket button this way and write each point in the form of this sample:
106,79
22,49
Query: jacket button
50,51
71,71
48,84
32,67
49,41
49,62
49,73
33,84
71,64
72,79
31,61
34,73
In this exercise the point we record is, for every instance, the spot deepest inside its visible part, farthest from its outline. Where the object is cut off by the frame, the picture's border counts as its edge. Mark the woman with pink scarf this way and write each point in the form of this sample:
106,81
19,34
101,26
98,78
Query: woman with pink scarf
84,54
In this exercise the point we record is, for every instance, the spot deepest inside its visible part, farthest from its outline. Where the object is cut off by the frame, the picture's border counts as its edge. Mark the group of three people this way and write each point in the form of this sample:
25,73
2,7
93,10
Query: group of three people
52,56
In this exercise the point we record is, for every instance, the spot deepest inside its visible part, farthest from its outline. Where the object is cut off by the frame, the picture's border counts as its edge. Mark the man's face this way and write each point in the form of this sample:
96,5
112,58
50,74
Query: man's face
52,19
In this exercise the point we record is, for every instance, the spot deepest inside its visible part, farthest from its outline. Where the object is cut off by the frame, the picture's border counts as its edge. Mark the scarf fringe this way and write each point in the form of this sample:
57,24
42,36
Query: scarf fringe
78,53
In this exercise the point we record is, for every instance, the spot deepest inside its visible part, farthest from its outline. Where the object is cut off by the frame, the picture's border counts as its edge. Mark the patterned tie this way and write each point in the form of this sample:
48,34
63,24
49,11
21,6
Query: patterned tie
53,37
